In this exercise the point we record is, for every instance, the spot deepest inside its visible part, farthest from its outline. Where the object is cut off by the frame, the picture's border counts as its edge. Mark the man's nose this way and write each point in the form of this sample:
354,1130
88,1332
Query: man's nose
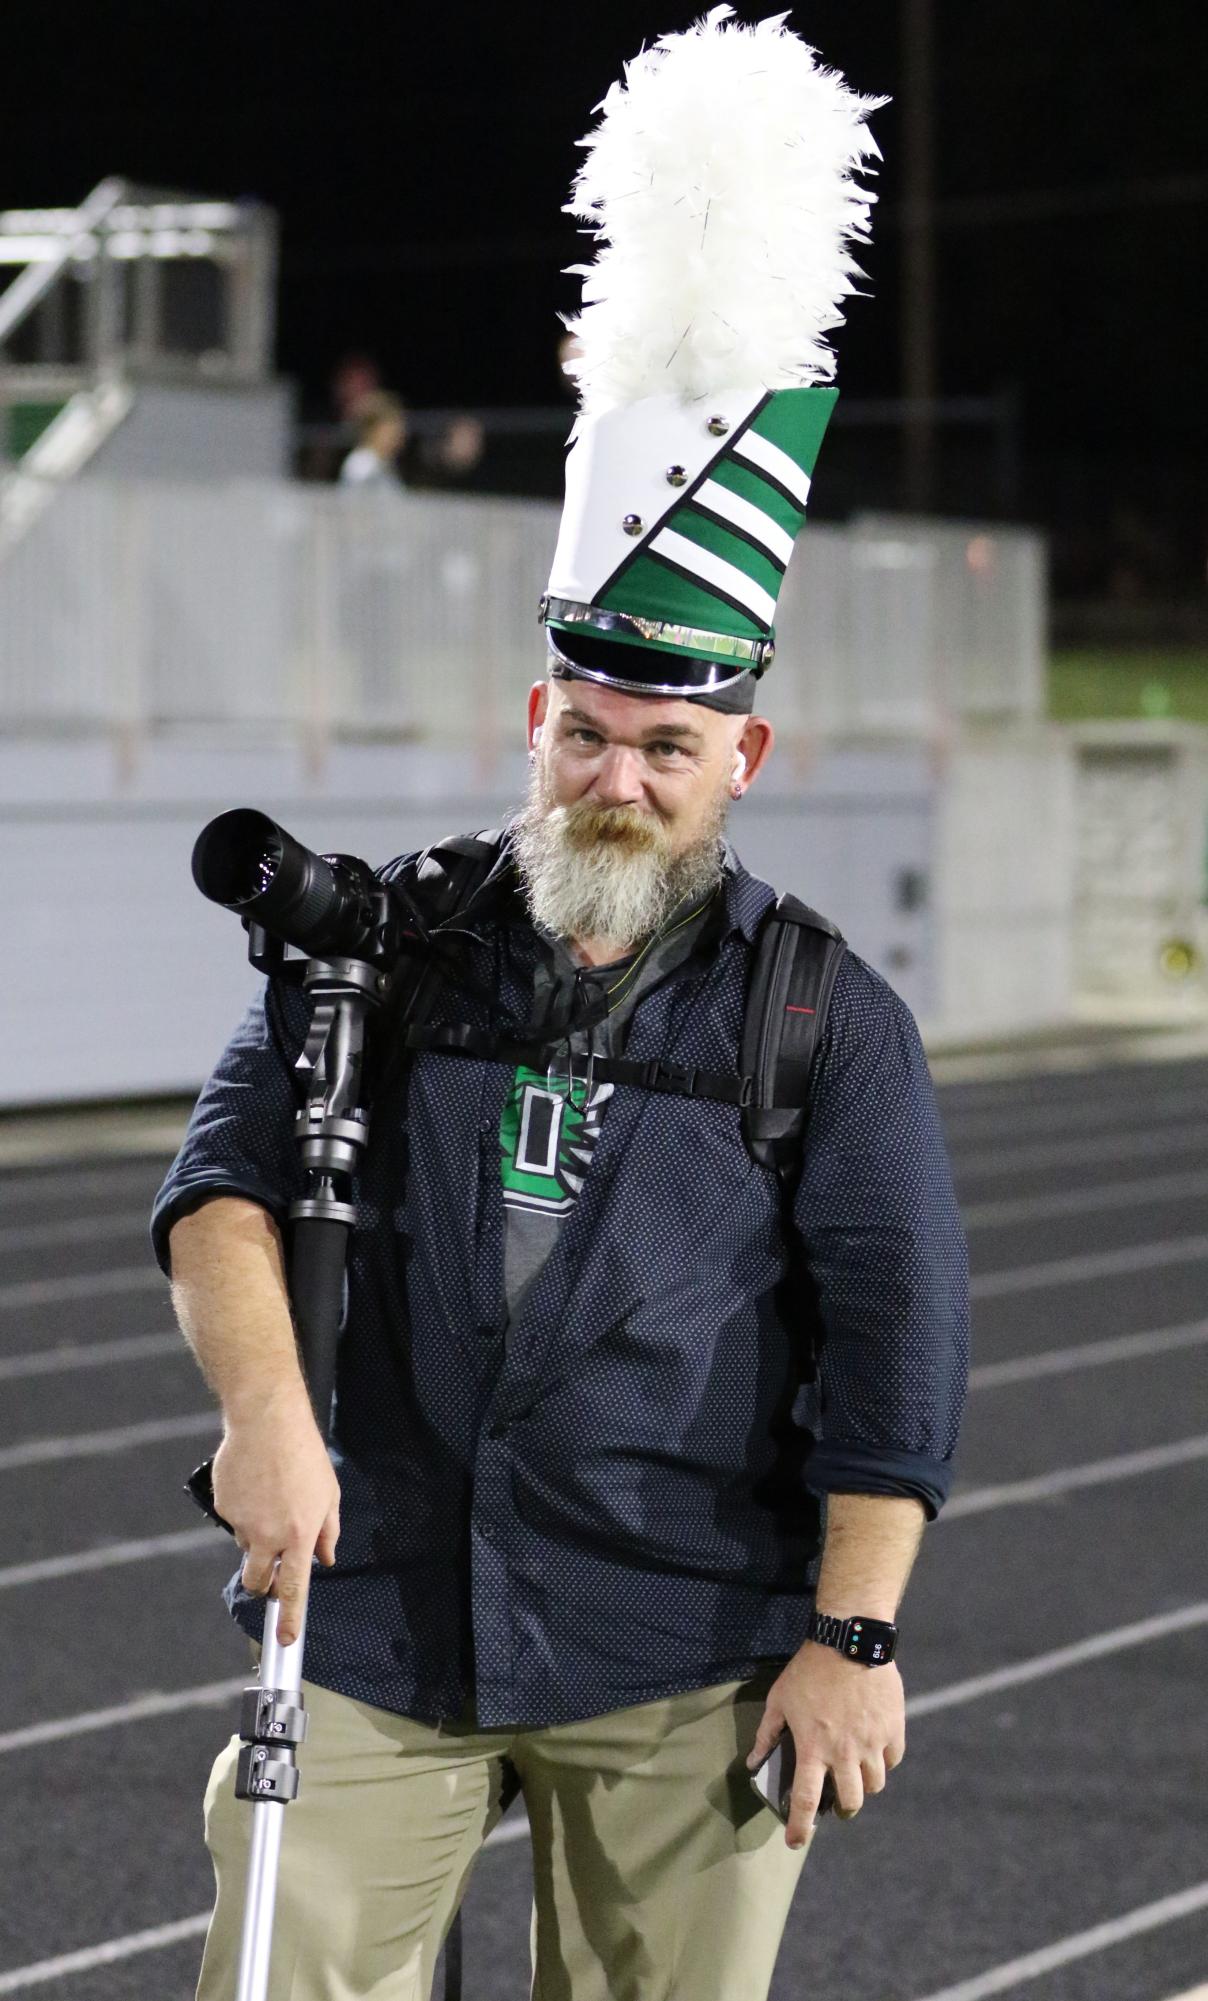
621,776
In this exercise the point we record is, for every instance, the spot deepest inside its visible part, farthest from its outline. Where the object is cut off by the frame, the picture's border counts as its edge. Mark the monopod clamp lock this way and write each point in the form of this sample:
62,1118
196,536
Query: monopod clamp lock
271,1726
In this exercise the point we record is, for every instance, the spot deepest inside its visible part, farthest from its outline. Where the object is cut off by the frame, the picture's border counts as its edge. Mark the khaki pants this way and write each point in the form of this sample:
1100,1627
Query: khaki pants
657,1874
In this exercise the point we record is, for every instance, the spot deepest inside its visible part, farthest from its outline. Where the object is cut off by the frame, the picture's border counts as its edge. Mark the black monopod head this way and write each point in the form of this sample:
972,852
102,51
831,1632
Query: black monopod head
324,905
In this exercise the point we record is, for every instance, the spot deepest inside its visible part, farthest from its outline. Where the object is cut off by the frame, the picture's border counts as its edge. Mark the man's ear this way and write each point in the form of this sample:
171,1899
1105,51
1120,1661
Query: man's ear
538,708
755,745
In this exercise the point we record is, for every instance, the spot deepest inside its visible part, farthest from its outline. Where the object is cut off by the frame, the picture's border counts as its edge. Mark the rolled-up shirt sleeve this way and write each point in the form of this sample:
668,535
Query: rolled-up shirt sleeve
886,1252
240,1137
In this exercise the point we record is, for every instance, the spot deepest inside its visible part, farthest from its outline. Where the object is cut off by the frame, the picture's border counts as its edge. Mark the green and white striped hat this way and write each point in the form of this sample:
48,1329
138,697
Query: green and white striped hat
720,181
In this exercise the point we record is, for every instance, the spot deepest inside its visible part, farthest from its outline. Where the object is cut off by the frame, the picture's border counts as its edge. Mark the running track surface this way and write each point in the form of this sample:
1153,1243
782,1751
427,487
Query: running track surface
1047,1835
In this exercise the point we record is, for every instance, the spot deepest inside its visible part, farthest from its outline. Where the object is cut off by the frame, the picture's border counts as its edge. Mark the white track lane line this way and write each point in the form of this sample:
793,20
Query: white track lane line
515,1827
1066,1202
83,1285
95,1444
1038,1667
1173,1109
1133,1144
73,1182
976,1500
1048,1087
1089,1355
1085,1201
1021,1278
1034,1965
1138,1050
1097,1647
973,1501
139,1709
1192,1994
73,1355
1071,1479
70,1357
111,1556
24,1977
81,1230
1089,1265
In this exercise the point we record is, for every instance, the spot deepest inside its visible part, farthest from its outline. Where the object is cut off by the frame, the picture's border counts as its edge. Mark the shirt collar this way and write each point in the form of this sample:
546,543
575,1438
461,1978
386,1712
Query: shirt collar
744,897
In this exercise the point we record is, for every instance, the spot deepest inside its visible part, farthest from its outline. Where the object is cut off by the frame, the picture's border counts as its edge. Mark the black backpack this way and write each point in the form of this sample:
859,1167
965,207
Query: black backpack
797,959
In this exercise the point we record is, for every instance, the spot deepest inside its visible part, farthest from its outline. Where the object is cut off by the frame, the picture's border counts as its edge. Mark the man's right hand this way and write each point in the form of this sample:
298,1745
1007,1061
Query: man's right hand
276,1486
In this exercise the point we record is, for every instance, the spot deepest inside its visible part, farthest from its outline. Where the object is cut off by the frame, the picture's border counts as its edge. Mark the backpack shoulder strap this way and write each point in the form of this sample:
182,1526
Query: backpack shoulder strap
797,959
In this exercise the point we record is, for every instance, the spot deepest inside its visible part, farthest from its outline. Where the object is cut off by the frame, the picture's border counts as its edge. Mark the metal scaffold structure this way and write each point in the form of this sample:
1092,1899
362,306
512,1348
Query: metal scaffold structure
135,287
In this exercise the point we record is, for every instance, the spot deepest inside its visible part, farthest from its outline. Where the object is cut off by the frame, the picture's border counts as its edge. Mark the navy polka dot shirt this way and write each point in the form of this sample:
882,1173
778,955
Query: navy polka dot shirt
615,1497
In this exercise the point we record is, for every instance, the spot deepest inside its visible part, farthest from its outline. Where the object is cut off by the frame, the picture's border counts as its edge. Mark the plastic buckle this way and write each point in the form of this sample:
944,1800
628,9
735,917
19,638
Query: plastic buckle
677,1077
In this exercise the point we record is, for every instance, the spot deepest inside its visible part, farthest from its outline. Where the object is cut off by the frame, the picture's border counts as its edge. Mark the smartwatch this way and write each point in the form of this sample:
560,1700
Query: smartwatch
873,1642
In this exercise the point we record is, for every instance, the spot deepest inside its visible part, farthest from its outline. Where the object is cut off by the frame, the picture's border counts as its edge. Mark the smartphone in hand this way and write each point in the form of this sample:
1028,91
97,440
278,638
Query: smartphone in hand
773,1779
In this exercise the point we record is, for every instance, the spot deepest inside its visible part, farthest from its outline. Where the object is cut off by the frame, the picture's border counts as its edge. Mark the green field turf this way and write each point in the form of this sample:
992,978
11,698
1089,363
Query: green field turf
1094,682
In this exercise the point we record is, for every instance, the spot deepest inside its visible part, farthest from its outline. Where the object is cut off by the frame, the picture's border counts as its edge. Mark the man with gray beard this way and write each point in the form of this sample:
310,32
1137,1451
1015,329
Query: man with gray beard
569,1530
603,1364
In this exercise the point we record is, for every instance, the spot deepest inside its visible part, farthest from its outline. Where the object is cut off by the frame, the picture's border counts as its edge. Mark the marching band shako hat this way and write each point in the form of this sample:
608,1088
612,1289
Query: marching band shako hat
720,185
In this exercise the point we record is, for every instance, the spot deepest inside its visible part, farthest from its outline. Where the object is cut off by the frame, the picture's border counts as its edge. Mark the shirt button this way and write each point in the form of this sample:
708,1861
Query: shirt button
501,1429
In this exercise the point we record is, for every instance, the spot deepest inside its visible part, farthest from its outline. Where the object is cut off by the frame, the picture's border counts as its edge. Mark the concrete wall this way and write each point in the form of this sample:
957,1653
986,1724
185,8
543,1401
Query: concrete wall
129,982
179,431
1004,891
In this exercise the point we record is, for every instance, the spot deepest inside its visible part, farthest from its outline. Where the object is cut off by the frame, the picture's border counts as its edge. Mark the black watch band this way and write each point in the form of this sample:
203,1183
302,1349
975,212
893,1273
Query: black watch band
870,1641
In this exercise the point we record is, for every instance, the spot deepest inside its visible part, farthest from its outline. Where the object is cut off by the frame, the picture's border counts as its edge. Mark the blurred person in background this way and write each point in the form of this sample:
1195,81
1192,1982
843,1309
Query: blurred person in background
450,456
355,377
570,1527
381,430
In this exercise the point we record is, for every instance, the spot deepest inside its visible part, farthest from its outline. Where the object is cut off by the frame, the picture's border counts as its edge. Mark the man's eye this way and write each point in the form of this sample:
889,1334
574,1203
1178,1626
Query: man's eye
667,749
585,736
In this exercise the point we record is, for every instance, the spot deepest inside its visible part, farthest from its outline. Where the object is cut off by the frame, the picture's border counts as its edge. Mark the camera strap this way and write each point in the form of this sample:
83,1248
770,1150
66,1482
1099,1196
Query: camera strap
797,958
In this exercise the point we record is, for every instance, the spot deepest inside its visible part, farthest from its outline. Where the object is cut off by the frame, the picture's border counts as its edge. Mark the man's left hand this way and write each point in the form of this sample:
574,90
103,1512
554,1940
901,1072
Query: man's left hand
846,1719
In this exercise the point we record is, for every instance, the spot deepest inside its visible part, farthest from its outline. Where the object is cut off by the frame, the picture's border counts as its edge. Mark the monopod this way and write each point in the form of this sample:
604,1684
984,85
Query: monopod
347,936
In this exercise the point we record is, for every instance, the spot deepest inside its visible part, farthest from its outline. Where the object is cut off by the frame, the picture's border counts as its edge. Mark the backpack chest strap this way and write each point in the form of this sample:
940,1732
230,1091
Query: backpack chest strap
683,1080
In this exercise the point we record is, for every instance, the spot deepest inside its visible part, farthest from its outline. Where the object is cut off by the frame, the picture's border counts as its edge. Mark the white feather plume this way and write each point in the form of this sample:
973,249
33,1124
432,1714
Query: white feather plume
720,183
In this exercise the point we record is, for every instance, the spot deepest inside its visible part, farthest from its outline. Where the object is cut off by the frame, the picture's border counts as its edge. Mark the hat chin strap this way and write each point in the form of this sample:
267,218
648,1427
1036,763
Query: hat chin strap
569,670
733,696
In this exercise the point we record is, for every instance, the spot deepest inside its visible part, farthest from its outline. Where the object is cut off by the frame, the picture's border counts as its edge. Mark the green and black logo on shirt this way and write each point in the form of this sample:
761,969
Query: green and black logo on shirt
547,1139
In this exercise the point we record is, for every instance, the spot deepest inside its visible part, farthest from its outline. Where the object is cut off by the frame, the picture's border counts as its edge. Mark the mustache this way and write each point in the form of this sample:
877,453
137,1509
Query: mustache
624,829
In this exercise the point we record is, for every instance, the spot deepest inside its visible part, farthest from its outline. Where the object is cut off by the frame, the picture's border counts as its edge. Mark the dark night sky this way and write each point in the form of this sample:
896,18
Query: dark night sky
419,157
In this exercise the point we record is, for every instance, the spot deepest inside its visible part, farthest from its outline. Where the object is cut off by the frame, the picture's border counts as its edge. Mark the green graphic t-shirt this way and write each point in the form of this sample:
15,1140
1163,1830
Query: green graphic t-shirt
547,1135
551,1121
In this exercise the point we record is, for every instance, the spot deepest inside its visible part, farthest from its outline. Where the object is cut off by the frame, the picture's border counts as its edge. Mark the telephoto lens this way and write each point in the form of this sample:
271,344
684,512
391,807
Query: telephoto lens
325,905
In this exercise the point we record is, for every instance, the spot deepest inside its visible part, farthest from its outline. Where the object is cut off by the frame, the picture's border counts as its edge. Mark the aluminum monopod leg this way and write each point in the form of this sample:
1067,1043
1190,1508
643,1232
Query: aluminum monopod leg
272,1723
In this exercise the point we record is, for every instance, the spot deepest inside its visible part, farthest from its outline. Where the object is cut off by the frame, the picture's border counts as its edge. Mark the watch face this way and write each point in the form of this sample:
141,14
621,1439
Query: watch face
872,1641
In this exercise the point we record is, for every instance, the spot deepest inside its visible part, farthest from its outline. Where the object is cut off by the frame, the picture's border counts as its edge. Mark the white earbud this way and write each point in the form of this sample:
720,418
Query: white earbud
740,769
538,733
